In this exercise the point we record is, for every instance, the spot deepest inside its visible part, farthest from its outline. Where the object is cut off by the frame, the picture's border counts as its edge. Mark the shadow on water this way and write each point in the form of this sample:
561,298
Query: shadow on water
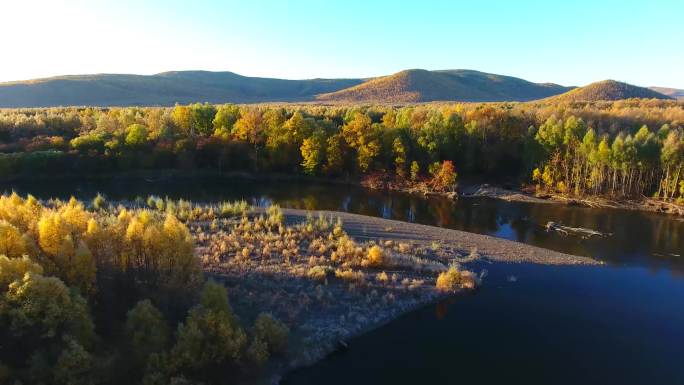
529,324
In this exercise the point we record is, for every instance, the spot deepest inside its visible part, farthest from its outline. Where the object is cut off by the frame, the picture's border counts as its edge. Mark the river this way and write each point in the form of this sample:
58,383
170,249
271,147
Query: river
621,323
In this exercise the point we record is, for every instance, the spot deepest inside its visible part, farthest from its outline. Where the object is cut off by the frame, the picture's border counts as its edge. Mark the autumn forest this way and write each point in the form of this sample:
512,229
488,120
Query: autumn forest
620,149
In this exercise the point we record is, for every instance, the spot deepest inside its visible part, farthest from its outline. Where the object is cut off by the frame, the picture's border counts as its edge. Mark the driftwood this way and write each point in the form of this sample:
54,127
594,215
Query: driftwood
567,230
665,206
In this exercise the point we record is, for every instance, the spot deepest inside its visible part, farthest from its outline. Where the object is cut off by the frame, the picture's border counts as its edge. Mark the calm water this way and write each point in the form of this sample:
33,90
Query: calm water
620,324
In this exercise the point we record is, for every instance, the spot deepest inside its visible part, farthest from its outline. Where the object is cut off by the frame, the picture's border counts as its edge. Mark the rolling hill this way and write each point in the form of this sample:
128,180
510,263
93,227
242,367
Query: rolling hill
410,86
606,90
671,92
417,85
162,89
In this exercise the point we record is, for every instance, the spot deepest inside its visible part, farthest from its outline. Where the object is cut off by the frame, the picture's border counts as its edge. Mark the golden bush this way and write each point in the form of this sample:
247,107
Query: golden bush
376,256
449,280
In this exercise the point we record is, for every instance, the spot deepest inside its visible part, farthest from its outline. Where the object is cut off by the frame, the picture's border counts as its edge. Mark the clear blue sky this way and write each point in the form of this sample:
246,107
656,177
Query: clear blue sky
567,42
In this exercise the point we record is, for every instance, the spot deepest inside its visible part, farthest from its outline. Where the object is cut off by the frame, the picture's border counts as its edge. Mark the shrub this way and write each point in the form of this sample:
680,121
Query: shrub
350,275
257,352
468,280
99,202
275,215
231,209
382,277
318,273
449,280
273,332
376,256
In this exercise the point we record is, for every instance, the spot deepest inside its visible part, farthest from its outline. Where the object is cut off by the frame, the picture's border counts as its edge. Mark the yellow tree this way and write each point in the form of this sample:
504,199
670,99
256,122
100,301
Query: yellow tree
250,128
12,243
312,152
359,133
61,235
182,117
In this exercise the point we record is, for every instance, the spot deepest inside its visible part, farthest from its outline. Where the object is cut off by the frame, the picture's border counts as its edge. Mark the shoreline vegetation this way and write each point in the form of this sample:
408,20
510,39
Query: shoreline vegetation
584,152
378,182
465,190
162,290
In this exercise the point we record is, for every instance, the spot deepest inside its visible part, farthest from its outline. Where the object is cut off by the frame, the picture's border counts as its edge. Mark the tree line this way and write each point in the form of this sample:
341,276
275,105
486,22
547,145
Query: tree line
621,149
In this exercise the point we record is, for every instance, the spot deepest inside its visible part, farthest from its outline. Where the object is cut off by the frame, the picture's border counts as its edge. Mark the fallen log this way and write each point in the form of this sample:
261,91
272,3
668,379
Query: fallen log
581,231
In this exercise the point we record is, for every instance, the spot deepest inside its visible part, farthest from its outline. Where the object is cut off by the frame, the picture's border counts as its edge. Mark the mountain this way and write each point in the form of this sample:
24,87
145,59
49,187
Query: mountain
408,86
162,89
453,85
671,92
607,90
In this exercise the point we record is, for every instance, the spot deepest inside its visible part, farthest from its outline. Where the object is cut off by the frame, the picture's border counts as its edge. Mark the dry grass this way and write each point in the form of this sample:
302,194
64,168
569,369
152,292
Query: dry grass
323,283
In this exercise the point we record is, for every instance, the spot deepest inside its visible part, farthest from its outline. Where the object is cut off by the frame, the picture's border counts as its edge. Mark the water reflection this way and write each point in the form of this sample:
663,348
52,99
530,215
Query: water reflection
551,325
638,238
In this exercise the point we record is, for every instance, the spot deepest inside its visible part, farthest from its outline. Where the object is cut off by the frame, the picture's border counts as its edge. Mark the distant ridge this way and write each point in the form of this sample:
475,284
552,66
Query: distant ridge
409,86
607,90
163,89
418,85
671,92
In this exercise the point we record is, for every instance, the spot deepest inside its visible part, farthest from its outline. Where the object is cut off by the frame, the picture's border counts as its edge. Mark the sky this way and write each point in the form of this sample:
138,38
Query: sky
566,42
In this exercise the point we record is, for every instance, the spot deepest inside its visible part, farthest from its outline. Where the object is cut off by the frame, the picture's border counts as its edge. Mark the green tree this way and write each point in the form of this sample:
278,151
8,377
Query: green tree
44,307
415,171
147,330
74,365
272,332
202,118
226,116
210,339
334,155
399,157
136,135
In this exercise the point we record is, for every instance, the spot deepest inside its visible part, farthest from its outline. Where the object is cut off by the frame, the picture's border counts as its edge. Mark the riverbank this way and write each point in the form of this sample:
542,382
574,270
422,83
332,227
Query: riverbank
644,204
464,190
304,275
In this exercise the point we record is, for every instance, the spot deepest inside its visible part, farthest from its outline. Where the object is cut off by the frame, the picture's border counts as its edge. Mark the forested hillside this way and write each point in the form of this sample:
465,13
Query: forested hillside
168,88
451,85
607,90
671,92
164,89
